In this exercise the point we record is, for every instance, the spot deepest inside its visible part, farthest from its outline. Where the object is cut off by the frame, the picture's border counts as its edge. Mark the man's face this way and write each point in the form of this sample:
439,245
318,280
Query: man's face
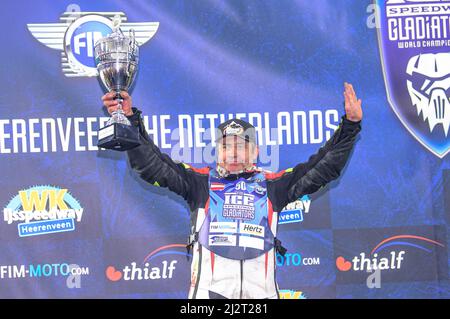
235,154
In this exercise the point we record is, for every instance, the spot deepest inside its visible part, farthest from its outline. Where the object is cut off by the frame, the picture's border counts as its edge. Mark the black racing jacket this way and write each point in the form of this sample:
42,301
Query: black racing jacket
283,187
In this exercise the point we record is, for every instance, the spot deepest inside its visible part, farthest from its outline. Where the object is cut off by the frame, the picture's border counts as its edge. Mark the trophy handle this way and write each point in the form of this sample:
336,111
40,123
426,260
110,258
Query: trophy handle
132,37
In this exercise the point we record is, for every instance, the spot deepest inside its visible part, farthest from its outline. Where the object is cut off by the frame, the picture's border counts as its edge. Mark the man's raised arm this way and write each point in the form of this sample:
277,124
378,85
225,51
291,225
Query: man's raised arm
324,166
156,167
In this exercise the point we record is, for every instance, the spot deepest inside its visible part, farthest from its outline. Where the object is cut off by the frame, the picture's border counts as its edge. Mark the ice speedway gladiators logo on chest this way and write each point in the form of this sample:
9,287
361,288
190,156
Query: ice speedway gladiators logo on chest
77,33
41,210
414,42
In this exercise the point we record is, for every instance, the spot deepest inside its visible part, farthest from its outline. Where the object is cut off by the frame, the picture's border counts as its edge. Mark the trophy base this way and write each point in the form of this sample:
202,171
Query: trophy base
118,137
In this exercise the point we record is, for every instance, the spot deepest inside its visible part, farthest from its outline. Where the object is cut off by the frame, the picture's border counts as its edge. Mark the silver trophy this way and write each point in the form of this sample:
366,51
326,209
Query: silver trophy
116,58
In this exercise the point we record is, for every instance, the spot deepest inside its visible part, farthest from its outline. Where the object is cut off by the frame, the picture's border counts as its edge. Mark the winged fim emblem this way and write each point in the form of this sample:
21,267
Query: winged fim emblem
59,36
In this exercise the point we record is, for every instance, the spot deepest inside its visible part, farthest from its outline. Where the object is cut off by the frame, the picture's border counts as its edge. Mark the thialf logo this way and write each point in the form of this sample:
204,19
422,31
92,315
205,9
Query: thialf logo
363,263
148,270
393,260
113,274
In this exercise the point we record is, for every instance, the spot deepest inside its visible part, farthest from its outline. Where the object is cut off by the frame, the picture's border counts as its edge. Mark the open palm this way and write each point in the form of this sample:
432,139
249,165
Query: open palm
353,109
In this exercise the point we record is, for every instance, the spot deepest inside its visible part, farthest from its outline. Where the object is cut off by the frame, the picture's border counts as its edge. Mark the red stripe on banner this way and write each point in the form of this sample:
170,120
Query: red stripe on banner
406,236
162,248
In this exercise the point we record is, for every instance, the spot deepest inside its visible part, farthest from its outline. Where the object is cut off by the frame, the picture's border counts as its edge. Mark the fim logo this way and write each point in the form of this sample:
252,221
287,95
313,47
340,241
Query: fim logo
293,212
43,210
71,272
76,34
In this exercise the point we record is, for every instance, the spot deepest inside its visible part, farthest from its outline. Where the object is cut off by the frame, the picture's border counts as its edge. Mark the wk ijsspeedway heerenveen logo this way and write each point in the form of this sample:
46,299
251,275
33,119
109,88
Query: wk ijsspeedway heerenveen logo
77,33
414,42
293,212
41,210
156,265
406,257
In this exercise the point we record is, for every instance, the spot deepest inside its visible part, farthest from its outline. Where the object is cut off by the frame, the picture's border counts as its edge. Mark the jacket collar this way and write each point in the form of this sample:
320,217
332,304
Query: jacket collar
222,172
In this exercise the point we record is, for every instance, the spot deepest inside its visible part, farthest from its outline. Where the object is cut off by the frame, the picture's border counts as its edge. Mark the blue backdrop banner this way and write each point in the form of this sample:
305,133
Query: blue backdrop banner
79,223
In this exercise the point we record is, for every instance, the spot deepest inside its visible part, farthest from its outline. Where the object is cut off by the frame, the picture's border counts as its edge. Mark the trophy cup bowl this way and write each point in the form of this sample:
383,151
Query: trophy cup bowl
116,58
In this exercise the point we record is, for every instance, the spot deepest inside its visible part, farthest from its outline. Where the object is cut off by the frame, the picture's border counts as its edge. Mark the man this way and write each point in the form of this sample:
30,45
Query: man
234,207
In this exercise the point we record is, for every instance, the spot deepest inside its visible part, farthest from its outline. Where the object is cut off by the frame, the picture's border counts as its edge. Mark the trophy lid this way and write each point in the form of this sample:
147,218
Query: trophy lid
116,58
117,32
118,36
